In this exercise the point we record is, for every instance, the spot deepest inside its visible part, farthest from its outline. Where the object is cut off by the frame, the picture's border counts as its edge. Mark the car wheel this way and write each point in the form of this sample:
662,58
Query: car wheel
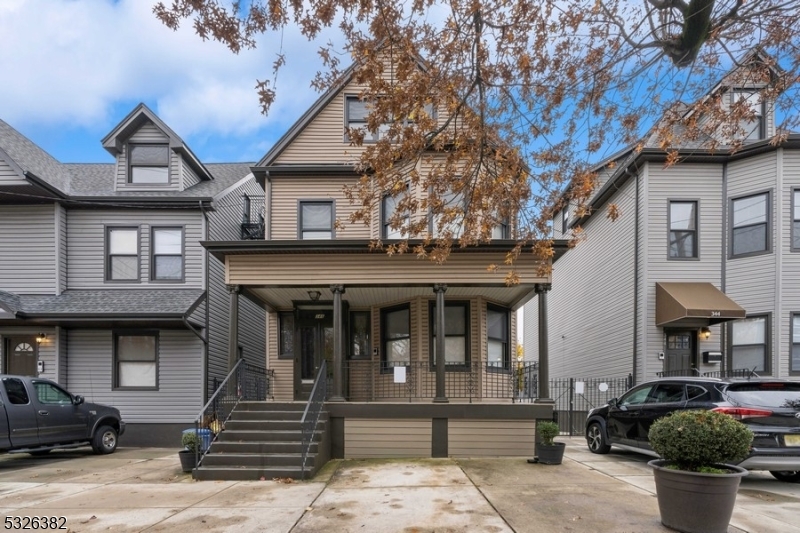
788,476
104,440
596,439
39,453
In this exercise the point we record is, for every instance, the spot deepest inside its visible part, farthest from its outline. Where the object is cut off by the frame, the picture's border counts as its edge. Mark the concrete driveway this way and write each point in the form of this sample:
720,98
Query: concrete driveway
144,490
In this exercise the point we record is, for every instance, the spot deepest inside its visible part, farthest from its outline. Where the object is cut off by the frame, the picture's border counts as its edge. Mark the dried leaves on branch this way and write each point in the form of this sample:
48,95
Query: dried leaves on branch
502,110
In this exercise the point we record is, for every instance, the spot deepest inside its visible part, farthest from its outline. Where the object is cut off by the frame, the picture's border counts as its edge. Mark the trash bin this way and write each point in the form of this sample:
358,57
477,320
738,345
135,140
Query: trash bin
203,436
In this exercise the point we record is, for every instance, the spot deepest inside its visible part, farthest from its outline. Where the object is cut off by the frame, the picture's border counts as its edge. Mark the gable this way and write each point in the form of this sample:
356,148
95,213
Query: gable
10,175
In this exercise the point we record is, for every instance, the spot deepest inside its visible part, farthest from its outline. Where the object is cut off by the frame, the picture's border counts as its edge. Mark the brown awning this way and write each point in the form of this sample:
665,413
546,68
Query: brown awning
693,304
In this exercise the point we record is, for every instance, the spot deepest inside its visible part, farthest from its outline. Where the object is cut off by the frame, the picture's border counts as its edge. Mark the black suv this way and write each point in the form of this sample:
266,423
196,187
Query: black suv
769,407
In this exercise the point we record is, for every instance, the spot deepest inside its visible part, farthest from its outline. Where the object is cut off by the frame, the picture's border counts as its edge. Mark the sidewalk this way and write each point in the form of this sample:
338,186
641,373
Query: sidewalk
144,490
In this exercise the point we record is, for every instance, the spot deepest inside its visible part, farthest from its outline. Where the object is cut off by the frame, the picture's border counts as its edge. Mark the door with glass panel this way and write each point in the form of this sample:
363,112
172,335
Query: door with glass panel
21,356
314,338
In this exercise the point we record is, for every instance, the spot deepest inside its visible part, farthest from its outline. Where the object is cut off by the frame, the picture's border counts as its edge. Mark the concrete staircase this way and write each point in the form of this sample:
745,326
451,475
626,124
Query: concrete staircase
264,440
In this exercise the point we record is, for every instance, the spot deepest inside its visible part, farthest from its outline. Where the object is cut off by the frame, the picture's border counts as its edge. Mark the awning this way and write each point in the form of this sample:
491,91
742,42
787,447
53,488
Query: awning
693,304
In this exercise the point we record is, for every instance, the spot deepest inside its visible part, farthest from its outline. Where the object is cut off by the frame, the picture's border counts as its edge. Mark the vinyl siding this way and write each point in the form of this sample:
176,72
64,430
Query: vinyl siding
490,438
61,248
789,288
9,176
28,249
86,246
283,382
179,372
373,438
188,176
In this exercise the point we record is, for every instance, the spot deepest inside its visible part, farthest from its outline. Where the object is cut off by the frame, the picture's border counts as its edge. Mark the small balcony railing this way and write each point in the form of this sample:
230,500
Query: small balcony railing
253,209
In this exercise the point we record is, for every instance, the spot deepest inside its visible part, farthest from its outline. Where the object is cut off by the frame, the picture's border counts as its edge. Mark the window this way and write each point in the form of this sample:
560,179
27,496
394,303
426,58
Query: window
286,348
388,208
750,225
796,220
122,249
357,111
668,393
749,344
637,396
500,230
794,358
136,360
149,164
15,390
246,212
49,394
497,335
359,335
396,340
167,259
682,230
456,334
454,203
565,220
316,220
754,128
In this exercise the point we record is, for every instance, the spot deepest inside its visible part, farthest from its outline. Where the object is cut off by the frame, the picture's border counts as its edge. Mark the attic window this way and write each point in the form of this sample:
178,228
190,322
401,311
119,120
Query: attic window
754,128
356,114
149,164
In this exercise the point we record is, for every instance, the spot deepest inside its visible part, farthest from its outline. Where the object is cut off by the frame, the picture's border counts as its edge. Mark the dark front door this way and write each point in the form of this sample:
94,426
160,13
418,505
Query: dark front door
679,357
314,337
21,356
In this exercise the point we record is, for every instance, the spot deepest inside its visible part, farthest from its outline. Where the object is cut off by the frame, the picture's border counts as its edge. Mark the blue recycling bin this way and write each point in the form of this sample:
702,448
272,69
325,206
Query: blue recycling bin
204,437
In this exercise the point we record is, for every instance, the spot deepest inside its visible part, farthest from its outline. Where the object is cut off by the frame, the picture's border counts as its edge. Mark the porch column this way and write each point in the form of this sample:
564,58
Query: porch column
338,344
233,326
544,357
441,396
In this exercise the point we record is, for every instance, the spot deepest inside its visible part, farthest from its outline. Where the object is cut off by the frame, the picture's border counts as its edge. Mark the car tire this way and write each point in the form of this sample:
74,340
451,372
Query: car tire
104,440
596,439
789,476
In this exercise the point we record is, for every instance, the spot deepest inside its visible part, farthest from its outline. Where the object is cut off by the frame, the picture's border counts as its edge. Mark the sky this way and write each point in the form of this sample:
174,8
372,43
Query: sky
71,70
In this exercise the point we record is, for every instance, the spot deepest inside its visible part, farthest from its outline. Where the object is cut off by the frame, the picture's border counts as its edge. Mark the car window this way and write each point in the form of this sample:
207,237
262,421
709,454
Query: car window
15,390
765,394
47,393
668,393
695,393
636,396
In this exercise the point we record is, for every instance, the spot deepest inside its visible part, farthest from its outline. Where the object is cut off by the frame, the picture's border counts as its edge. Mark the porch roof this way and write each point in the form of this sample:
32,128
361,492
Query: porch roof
693,304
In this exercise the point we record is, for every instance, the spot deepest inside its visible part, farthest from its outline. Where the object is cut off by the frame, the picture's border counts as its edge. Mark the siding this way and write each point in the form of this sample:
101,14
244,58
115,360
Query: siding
28,249
61,248
9,176
179,372
371,438
148,133
86,245
283,383
490,438
789,288
188,176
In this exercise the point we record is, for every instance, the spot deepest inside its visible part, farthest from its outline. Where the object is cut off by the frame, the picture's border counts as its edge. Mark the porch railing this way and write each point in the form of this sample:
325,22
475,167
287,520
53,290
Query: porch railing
477,380
312,412
730,373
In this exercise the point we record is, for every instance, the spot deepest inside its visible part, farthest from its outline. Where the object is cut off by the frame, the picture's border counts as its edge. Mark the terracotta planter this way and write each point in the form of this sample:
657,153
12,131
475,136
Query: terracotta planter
693,502
188,460
550,454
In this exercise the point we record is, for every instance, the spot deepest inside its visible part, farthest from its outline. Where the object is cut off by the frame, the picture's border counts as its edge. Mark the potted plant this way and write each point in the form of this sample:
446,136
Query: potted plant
548,451
188,455
695,485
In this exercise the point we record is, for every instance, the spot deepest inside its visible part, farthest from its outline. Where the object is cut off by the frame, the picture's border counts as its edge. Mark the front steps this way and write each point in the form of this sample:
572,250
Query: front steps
263,440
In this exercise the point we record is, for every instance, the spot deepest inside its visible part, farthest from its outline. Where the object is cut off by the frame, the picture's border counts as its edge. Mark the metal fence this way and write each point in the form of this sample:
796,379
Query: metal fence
575,397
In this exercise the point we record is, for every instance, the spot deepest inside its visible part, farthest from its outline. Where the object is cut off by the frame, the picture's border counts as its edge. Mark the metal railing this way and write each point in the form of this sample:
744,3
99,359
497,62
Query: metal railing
253,209
477,380
575,397
693,372
312,412
680,372
244,382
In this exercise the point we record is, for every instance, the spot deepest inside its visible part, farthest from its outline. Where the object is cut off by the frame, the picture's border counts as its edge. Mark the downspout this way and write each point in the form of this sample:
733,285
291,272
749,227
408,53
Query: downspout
635,366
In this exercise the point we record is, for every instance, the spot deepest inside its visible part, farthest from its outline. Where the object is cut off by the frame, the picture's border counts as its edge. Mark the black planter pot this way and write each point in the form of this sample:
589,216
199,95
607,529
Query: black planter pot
549,454
693,502
188,460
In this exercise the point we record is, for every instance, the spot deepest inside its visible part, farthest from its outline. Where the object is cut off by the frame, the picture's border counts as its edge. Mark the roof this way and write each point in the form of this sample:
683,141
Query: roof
30,158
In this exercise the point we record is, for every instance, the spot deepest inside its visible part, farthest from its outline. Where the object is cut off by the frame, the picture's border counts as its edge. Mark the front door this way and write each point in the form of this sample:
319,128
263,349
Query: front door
314,337
679,357
21,356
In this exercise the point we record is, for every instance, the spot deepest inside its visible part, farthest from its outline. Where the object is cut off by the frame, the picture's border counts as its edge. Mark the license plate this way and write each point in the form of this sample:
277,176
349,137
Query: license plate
792,440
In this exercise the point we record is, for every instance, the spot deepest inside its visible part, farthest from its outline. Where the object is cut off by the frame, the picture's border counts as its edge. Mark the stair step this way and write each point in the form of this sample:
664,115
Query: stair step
263,436
266,415
228,473
272,406
256,460
268,425
260,447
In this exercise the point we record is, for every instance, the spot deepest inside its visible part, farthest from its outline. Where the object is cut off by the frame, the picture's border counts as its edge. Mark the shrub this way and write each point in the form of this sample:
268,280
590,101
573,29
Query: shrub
190,441
547,431
693,440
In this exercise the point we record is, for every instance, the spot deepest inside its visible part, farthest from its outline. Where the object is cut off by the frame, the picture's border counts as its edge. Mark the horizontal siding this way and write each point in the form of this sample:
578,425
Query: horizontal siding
86,245
283,382
148,133
9,176
188,176
61,247
179,397
371,438
490,438
789,261
28,249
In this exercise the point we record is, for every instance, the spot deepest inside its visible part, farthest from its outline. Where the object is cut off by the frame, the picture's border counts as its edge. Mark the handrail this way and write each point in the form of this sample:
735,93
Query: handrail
214,401
312,412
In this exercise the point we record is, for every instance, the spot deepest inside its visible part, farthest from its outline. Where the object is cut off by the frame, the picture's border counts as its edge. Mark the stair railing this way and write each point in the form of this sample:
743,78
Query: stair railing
313,411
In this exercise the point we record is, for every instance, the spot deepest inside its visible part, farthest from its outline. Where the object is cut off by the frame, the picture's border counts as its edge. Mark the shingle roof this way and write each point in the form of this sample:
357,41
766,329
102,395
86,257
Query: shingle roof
10,301
28,156
155,303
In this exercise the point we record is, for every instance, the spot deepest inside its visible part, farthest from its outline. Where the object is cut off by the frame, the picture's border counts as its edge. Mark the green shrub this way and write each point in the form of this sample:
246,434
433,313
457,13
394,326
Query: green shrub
693,440
547,431
190,441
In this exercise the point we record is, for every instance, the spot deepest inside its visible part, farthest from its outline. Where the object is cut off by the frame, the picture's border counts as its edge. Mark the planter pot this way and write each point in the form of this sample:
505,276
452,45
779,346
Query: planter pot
188,460
549,454
693,502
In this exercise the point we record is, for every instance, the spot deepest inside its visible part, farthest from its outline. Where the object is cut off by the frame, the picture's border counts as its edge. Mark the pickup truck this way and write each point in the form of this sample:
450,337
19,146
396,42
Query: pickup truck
38,415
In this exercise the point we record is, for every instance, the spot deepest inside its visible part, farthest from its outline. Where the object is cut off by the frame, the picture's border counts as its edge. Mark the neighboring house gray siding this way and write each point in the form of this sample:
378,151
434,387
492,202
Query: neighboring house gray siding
28,249
789,260
188,176
61,248
9,176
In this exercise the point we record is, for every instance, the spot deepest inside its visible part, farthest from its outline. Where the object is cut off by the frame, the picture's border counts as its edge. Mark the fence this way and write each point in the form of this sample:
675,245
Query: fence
575,397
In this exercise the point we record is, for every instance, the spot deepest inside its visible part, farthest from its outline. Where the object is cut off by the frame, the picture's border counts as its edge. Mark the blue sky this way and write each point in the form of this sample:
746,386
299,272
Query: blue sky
72,69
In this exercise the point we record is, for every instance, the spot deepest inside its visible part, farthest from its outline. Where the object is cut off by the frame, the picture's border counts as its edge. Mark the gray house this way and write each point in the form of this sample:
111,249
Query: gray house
104,286
700,272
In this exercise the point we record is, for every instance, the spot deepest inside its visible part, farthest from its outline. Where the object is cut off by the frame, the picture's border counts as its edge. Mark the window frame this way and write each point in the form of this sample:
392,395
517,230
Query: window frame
108,256
735,94
433,223
565,220
246,208
506,366
153,255
795,231
384,212
369,137
132,165
384,360
696,232
282,315
311,201
451,367
351,336
768,244
116,334
767,343
793,371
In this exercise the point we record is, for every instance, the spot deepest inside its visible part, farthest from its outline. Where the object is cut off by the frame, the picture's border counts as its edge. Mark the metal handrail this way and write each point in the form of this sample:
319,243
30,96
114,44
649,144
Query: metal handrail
214,401
313,411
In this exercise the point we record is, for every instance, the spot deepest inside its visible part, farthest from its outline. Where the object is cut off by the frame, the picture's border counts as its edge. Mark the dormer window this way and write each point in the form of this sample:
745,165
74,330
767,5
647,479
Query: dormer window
149,164
755,128
357,111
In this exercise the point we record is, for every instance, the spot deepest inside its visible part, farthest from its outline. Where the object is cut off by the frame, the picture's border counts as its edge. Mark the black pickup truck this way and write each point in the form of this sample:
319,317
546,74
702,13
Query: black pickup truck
37,415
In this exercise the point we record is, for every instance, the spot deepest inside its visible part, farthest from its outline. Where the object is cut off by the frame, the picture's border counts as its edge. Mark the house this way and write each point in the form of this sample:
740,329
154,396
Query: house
104,286
699,273
370,320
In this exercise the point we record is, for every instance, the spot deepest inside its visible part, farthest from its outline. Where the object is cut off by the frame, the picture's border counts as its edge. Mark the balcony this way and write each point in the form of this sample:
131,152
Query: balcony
252,227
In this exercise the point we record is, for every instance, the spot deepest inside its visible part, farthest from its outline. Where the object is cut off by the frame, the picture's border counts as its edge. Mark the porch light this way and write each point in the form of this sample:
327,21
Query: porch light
314,295
41,337
705,333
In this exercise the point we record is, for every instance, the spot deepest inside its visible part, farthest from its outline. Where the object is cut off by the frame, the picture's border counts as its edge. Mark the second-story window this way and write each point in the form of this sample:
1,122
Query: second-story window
565,220
749,346
122,254
316,220
167,263
682,230
796,220
388,208
149,164
750,225
454,204
357,111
